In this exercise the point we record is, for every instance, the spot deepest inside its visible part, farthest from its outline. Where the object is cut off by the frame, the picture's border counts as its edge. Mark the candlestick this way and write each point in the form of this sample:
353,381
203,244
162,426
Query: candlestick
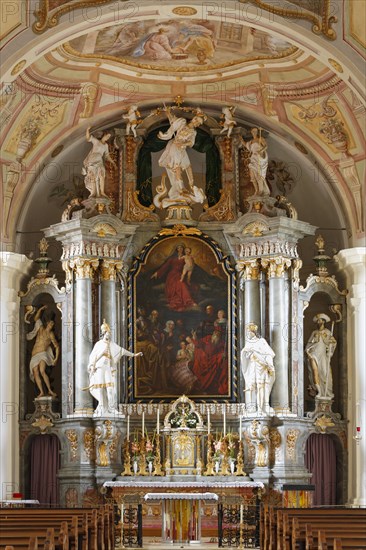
241,513
143,423
240,428
128,427
208,422
157,420
224,413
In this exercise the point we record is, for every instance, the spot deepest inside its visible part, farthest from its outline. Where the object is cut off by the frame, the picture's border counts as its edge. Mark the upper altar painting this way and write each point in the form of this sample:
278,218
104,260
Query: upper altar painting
180,45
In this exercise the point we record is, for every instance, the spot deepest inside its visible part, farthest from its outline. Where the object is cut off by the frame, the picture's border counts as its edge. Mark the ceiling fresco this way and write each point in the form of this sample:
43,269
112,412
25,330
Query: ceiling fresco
180,45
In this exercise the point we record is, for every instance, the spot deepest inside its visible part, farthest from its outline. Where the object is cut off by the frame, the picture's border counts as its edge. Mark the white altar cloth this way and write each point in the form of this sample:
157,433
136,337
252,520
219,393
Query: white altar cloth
162,482
181,496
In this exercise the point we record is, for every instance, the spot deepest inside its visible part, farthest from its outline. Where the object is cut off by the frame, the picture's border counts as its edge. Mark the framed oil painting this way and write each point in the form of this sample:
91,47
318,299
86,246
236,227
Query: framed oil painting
182,311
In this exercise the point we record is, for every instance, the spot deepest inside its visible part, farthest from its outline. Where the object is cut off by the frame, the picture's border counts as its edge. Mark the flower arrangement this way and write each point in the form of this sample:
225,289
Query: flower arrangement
218,444
135,448
149,447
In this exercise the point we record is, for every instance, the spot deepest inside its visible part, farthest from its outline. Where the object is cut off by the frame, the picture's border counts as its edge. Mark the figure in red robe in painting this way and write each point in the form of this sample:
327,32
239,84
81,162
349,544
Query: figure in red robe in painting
210,363
179,294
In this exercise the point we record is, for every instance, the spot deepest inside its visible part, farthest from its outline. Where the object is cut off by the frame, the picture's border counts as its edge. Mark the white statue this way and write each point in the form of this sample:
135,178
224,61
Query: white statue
319,350
176,161
132,117
102,369
258,369
229,121
94,164
258,162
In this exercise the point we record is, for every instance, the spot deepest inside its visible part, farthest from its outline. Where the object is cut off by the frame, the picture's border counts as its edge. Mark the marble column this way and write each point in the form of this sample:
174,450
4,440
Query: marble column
12,266
278,325
353,262
84,271
108,294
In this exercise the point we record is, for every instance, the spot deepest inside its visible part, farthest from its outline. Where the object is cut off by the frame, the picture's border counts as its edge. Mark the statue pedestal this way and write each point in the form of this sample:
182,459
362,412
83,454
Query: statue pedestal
179,213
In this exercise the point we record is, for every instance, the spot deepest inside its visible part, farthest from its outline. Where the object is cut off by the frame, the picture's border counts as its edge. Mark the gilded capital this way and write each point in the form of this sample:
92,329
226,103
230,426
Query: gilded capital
249,269
84,268
276,266
109,269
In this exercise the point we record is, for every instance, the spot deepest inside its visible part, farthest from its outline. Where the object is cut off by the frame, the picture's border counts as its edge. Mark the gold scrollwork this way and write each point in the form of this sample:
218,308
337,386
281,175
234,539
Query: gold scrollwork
73,440
89,446
322,23
291,439
48,18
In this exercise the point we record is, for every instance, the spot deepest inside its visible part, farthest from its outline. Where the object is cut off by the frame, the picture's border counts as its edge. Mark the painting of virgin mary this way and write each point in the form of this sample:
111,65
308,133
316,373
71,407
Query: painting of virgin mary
181,293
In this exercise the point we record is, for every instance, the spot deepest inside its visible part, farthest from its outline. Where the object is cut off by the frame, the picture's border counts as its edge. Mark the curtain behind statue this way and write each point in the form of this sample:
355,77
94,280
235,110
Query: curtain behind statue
321,461
203,144
44,466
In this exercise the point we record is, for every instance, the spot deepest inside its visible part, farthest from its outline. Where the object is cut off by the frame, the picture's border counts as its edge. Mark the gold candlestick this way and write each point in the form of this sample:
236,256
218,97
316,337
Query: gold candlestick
127,460
240,462
167,464
142,459
209,461
157,459
224,471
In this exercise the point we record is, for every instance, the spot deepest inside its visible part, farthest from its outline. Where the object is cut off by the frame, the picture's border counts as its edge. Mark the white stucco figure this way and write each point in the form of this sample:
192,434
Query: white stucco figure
132,120
229,122
176,162
94,164
258,370
319,350
258,162
102,369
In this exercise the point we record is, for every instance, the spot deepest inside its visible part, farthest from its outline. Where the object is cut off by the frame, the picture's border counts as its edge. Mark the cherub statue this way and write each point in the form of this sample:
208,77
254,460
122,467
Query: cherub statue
229,122
132,116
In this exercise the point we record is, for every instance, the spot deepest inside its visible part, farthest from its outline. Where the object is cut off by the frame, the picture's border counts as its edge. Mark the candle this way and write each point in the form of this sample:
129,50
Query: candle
157,420
241,514
143,423
128,427
208,422
224,413
240,428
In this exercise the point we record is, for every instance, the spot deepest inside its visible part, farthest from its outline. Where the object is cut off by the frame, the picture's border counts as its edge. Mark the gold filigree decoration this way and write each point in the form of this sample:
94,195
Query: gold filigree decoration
84,268
184,10
43,423
323,422
276,266
223,210
135,211
102,229
317,279
322,23
73,440
48,18
51,281
250,269
291,439
275,439
89,447
255,228
337,310
103,457
109,269
113,448
180,229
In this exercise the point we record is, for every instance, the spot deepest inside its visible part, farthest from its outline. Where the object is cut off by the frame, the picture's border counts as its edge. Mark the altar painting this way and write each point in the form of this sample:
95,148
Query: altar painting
181,304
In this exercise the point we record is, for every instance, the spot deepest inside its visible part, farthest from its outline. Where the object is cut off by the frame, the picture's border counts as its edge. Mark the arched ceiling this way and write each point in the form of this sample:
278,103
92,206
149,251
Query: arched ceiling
88,69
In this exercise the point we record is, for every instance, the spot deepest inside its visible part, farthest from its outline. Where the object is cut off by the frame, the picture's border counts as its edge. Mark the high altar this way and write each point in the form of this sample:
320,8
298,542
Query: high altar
208,388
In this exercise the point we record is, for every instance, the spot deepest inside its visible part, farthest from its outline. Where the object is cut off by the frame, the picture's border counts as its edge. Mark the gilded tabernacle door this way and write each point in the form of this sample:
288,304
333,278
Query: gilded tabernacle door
181,305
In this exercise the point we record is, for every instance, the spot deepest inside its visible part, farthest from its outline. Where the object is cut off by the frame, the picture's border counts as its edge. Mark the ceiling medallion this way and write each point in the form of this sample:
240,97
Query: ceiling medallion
184,10
337,66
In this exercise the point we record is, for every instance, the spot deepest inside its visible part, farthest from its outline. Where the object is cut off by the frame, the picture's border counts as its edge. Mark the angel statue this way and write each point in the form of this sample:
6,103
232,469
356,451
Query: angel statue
175,160
228,122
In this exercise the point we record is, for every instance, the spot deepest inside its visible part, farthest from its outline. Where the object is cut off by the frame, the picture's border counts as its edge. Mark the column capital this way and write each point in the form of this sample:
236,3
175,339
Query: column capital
109,269
84,267
249,269
353,262
276,265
